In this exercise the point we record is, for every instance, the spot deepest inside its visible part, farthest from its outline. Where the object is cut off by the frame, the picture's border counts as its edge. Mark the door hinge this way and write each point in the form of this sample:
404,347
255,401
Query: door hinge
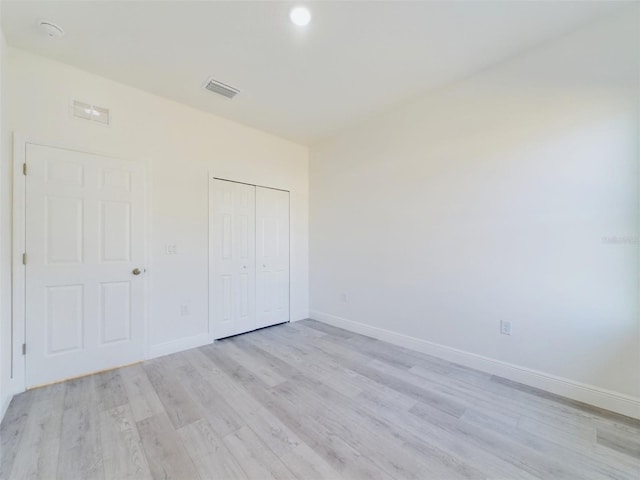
24,348
24,258
24,168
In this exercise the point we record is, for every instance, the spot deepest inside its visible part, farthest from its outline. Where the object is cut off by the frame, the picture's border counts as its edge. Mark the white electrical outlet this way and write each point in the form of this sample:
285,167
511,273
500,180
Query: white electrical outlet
505,327
172,249
184,310
344,298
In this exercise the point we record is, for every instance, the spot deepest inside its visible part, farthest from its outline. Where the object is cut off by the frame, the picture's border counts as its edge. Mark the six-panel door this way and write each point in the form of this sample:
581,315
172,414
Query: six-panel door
84,238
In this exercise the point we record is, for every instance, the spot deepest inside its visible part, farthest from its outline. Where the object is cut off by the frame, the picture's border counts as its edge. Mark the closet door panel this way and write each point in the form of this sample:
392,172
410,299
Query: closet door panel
234,258
272,256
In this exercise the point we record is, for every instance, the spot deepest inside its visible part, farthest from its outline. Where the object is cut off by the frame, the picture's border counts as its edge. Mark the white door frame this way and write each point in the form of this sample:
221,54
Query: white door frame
18,272
212,178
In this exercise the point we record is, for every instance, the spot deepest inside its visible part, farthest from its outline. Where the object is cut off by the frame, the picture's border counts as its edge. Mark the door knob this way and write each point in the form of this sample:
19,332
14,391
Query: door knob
136,271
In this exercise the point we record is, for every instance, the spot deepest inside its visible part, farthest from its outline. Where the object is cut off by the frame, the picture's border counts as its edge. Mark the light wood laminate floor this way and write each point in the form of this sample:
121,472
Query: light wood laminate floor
306,400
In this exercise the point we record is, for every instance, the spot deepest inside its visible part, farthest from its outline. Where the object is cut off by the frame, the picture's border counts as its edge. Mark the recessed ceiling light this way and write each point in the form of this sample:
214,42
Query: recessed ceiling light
300,16
51,29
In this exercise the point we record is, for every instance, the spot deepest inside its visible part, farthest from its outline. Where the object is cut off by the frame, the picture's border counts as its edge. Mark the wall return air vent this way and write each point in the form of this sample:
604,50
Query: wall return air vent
93,113
220,88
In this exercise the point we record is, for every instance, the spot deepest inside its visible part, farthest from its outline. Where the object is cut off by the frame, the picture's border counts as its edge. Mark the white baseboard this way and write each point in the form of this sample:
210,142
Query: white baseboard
599,397
297,316
178,345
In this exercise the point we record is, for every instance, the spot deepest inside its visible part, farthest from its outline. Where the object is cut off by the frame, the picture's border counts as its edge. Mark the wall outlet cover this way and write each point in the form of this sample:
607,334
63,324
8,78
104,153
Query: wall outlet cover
505,327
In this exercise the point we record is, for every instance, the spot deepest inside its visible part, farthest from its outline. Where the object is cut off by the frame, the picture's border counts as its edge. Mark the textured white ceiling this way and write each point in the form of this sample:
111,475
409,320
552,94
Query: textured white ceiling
356,58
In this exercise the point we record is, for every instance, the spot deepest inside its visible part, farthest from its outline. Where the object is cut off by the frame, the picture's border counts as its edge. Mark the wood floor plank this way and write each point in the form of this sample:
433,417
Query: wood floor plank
614,457
445,403
568,405
324,369
266,425
501,446
363,432
209,453
255,457
110,390
48,392
37,456
165,451
586,441
299,328
215,408
309,401
11,431
307,464
362,436
143,398
513,406
549,448
180,407
265,371
341,456
617,440
469,394
433,442
123,454
80,453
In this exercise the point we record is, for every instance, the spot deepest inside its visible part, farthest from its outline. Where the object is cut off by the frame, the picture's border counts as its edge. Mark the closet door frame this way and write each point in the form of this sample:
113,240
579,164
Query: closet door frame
212,299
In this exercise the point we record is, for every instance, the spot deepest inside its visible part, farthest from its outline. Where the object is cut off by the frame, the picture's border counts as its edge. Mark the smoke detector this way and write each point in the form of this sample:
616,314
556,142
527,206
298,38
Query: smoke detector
220,88
51,29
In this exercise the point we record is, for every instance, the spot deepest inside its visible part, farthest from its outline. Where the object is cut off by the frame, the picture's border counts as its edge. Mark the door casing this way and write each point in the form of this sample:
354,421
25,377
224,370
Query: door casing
17,382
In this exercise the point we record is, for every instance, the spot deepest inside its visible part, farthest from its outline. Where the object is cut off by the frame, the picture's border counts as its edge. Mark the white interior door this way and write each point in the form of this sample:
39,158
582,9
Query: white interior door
272,256
84,238
234,258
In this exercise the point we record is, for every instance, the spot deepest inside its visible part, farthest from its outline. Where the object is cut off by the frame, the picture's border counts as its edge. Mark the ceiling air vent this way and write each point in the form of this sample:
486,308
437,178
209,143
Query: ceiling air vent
220,88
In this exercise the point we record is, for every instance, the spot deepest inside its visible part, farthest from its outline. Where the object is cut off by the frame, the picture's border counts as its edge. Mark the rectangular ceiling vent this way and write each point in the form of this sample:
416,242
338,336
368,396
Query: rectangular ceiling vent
220,88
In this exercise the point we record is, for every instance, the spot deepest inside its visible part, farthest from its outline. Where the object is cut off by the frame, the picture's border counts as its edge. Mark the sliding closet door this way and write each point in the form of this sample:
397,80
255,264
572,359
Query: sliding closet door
234,267
272,256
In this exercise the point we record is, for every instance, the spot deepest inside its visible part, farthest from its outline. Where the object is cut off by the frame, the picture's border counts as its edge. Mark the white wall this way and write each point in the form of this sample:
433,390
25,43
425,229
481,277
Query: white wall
5,243
182,145
488,200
